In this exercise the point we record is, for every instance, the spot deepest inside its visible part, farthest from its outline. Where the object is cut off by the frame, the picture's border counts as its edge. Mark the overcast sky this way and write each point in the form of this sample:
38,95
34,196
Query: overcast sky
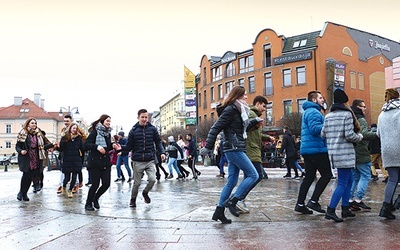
117,56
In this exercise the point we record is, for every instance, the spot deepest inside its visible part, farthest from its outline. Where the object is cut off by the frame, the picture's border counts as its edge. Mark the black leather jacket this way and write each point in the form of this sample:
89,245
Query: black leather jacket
231,123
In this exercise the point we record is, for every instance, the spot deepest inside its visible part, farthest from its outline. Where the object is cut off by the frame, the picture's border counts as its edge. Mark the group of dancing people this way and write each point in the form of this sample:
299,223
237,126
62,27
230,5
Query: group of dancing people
338,140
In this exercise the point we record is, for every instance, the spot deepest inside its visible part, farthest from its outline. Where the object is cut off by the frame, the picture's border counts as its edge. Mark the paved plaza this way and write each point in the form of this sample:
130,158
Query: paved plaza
179,217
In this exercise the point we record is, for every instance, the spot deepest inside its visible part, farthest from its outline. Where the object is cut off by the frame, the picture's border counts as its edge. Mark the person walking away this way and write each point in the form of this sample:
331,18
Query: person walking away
341,131
233,119
362,172
388,122
314,150
123,159
254,143
192,155
31,146
174,150
288,146
71,145
376,156
181,143
143,138
99,165
222,158
158,162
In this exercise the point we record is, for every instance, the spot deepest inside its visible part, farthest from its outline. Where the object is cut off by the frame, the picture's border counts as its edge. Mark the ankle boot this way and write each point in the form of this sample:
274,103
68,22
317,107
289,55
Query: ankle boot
231,205
219,214
346,213
385,212
331,215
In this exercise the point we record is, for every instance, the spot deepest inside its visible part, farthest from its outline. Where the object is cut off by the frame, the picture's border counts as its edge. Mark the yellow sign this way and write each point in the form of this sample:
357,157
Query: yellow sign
189,79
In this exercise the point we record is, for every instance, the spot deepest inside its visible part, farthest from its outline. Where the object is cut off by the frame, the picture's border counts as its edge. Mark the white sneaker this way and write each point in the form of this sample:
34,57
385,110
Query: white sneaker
242,208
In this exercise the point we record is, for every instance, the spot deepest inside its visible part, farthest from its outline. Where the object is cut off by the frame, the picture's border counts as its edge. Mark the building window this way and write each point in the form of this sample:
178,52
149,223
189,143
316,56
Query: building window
220,92
205,99
229,86
299,43
252,86
204,76
199,99
268,87
269,114
246,64
241,82
300,105
287,107
361,81
8,144
287,77
230,70
8,129
212,94
301,75
353,83
267,56
217,73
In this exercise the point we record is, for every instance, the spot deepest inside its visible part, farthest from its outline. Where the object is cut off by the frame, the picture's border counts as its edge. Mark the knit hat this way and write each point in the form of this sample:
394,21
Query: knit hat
121,133
339,96
391,94
171,138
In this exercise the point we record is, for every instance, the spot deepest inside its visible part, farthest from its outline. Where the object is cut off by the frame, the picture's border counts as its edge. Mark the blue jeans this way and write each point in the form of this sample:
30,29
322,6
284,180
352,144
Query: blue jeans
361,176
238,160
123,159
342,191
172,162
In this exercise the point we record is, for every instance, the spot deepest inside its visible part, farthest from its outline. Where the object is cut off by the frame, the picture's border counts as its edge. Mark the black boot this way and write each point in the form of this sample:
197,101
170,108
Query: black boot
89,206
19,196
219,214
96,203
331,215
385,212
231,205
346,213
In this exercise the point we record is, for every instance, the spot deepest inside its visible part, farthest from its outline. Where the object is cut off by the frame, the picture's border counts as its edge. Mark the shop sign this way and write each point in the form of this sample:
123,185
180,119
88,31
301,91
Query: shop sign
301,56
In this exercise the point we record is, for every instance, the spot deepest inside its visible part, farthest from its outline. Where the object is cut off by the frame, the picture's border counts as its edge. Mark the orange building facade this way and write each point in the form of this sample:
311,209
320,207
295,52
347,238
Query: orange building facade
285,69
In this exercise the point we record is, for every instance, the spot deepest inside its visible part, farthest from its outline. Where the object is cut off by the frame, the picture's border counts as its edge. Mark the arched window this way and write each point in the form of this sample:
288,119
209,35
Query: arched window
230,70
347,51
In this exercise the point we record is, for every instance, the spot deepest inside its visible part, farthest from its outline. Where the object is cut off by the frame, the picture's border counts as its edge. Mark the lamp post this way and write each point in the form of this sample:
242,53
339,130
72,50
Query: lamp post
68,110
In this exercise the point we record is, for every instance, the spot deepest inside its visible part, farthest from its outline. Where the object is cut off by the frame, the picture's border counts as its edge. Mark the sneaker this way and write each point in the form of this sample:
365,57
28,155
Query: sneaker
354,206
88,184
75,189
118,179
170,176
287,176
315,206
302,209
130,179
242,208
70,195
59,190
360,205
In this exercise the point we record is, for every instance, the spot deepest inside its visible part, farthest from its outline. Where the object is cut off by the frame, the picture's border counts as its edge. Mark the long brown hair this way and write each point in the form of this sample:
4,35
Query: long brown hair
81,133
101,120
234,94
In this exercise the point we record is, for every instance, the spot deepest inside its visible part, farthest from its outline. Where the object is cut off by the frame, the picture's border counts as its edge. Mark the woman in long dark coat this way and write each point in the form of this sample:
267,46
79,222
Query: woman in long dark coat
31,147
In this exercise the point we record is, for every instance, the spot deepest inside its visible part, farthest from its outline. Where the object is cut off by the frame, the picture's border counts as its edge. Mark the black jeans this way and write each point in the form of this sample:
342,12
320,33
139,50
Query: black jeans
96,175
258,166
290,165
314,163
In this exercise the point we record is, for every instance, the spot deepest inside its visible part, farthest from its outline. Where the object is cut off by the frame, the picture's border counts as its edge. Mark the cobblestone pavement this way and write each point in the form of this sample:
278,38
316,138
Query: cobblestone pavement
179,217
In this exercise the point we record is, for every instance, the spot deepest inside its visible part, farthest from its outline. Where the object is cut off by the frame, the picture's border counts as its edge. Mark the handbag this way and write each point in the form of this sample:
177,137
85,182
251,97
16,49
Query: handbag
207,161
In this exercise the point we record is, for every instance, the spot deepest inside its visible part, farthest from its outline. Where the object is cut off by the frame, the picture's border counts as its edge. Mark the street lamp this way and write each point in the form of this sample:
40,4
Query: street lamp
68,110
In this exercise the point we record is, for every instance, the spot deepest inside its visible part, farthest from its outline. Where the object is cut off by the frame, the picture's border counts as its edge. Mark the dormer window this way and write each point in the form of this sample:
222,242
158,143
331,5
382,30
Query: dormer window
303,42
299,43
24,110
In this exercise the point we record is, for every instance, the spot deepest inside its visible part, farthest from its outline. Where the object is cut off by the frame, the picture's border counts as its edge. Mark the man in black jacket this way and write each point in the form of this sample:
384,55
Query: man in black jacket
288,145
142,141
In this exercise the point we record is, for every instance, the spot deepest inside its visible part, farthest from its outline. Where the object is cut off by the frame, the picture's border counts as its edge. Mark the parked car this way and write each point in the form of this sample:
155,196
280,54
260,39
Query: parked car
14,160
4,159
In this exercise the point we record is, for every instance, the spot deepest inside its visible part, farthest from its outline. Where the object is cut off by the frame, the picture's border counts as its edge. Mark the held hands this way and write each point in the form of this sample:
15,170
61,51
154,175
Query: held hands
23,152
163,157
117,146
204,151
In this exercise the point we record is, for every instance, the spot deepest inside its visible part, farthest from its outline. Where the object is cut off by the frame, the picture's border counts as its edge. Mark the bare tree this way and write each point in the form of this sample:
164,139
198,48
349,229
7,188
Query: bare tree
203,128
293,121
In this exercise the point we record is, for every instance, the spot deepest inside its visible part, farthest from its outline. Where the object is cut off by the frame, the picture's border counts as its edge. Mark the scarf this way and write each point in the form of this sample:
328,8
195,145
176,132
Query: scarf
21,137
244,114
341,106
101,133
391,104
